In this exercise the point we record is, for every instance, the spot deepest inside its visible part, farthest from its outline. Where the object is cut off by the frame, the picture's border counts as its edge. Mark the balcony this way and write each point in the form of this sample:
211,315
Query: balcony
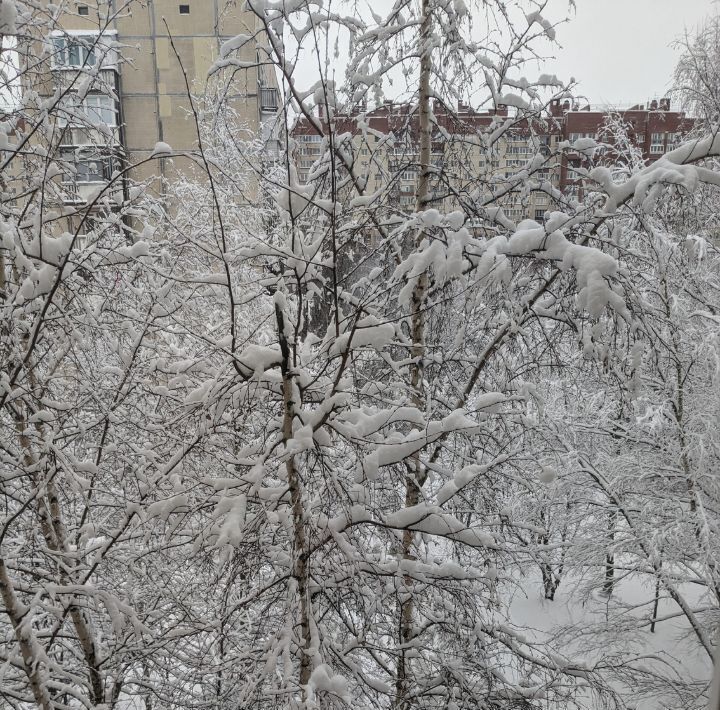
88,169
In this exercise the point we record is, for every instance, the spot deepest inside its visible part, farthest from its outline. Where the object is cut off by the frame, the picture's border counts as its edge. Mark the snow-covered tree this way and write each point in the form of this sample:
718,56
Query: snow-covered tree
296,443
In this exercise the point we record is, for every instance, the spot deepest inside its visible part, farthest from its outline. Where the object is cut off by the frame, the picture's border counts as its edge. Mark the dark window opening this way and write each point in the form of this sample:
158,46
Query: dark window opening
83,10
184,9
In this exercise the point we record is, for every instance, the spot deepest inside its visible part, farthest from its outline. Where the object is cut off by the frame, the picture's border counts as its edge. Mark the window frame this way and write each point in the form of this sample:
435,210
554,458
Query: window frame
73,155
87,43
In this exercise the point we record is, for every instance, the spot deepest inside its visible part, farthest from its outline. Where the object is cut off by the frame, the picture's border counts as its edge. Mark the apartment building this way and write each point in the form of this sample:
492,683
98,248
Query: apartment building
519,170
652,128
139,58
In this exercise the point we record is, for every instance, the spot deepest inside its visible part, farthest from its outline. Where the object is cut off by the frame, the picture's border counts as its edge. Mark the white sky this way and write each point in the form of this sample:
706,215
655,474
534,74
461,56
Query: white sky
619,50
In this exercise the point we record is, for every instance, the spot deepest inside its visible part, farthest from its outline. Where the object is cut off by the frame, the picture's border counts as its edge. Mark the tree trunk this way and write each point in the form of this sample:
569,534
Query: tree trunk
415,476
300,573
25,638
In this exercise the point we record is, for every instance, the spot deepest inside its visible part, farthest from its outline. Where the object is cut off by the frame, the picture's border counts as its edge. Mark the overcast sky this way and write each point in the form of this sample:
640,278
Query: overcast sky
620,50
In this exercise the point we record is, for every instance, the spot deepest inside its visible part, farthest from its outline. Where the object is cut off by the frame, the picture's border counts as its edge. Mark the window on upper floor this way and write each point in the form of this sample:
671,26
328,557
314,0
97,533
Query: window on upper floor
184,9
100,108
657,143
572,137
573,174
85,165
94,109
75,51
83,10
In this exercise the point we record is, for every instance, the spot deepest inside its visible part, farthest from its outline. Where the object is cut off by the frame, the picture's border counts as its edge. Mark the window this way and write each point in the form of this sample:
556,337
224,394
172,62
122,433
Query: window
572,191
539,215
572,137
184,9
86,165
74,51
657,143
100,108
83,10
95,109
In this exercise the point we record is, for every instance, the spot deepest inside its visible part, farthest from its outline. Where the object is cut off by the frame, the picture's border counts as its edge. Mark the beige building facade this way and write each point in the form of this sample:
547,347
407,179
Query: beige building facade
141,59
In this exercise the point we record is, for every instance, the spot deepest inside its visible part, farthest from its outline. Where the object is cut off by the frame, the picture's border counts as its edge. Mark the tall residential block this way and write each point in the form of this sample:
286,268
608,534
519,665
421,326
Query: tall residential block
144,56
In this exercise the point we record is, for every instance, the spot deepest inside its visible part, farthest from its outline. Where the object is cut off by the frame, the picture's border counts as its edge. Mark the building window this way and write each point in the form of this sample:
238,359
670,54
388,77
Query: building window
94,109
85,165
83,10
539,215
100,108
74,51
577,136
184,9
657,143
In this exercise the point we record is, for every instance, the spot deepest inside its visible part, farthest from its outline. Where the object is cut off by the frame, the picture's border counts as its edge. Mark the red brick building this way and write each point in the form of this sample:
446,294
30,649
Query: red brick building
384,146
